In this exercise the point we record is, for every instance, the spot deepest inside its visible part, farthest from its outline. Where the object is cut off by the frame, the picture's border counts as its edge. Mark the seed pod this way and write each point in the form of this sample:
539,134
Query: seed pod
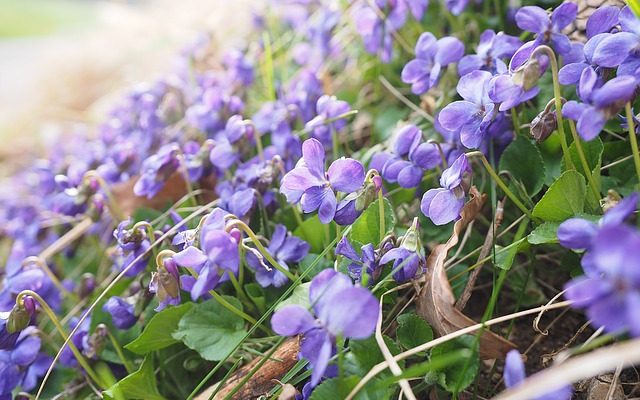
543,125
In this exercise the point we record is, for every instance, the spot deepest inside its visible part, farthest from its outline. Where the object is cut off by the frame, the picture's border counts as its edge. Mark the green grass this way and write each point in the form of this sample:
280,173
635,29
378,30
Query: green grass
19,18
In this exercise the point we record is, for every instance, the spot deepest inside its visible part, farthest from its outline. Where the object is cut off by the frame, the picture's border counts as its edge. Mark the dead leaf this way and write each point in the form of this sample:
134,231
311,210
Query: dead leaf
289,392
436,302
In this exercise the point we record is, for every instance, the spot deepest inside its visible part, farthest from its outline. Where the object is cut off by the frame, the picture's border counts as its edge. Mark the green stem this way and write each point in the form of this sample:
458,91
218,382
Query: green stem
268,67
515,121
245,228
557,94
383,229
583,161
501,183
120,353
52,316
633,139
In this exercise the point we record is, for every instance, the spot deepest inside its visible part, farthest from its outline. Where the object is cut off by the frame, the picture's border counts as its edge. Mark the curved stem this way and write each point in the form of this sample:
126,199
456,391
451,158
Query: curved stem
52,316
44,267
245,228
558,100
583,161
501,183
633,139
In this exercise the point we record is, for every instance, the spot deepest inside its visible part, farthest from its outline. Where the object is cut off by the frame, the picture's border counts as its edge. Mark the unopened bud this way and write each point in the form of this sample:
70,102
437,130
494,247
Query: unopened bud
21,314
543,125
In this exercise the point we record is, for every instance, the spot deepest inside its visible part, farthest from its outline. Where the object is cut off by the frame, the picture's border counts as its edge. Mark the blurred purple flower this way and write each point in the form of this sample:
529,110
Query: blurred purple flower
432,55
121,311
156,170
165,283
339,309
514,374
326,122
309,184
548,28
22,366
489,53
621,49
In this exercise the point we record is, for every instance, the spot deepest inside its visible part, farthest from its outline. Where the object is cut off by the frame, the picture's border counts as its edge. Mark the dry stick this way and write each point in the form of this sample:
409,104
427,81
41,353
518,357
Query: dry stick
113,283
393,365
443,339
614,380
404,99
580,367
484,252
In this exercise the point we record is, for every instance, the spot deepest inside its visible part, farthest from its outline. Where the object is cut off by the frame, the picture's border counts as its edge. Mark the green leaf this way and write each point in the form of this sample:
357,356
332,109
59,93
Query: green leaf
458,376
525,163
139,385
339,388
256,293
367,353
157,333
211,330
366,229
413,331
545,233
434,364
312,231
564,199
593,154
300,297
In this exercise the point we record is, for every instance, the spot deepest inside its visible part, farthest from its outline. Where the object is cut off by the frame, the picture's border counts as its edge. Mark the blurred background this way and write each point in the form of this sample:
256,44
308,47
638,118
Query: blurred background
64,62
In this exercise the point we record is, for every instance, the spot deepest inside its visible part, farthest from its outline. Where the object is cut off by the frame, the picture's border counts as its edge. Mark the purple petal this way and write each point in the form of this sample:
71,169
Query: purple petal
313,155
577,233
622,210
317,347
426,156
590,124
514,372
469,64
533,19
602,20
407,138
629,21
354,313
452,176
564,14
427,199
425,45
415,70
573,110
292,320
582,291
323,285
570,73
455,114
445,207
450,50
410,177
327,209
472,87
297,181
617,89
614,49
344,248
346,175
312,198
392,168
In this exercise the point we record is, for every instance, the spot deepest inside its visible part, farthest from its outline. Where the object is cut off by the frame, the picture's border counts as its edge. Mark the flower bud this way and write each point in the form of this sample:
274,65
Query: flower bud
528,74
543,125
20,315
87,285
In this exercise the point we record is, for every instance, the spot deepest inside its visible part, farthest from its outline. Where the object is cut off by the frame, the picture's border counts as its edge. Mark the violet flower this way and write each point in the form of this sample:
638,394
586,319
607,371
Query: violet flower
339,309
165,283
328,108
444,204
474,114
22,366
432,55
421,157
579,233
548,28
514,374
12,323
621,49
156,170
376,30
367,260
312,187
122,312
603,20
285,249
353,204
224,152
570,73
600,103
456,6
408,258
493,47
238,200
218,256
610,288
131,244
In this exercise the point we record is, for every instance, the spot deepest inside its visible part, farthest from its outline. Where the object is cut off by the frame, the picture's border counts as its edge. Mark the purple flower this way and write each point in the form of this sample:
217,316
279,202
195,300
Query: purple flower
165,283
366,261
122,312
600,102
456,6
353,204
224,152
328,107
603,20
29,277
474,114
421,156
519,84
308,183
156,170
610,288
23,365
131,244
444,204
622,49
236,200
408,258
489,53
570,73
377,30
286,249
514,374
432,55
339,309
218,256
548,28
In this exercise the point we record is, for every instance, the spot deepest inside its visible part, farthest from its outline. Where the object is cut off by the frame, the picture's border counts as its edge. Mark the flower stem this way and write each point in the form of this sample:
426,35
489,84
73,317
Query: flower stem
585,164
501,183
515,121
45,268
113,205
120,353
633,139
383,229
558,100
52,316
245,228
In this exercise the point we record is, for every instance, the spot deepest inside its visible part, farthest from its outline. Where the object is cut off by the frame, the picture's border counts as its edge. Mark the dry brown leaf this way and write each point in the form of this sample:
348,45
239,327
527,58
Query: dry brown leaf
264,379
436,302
